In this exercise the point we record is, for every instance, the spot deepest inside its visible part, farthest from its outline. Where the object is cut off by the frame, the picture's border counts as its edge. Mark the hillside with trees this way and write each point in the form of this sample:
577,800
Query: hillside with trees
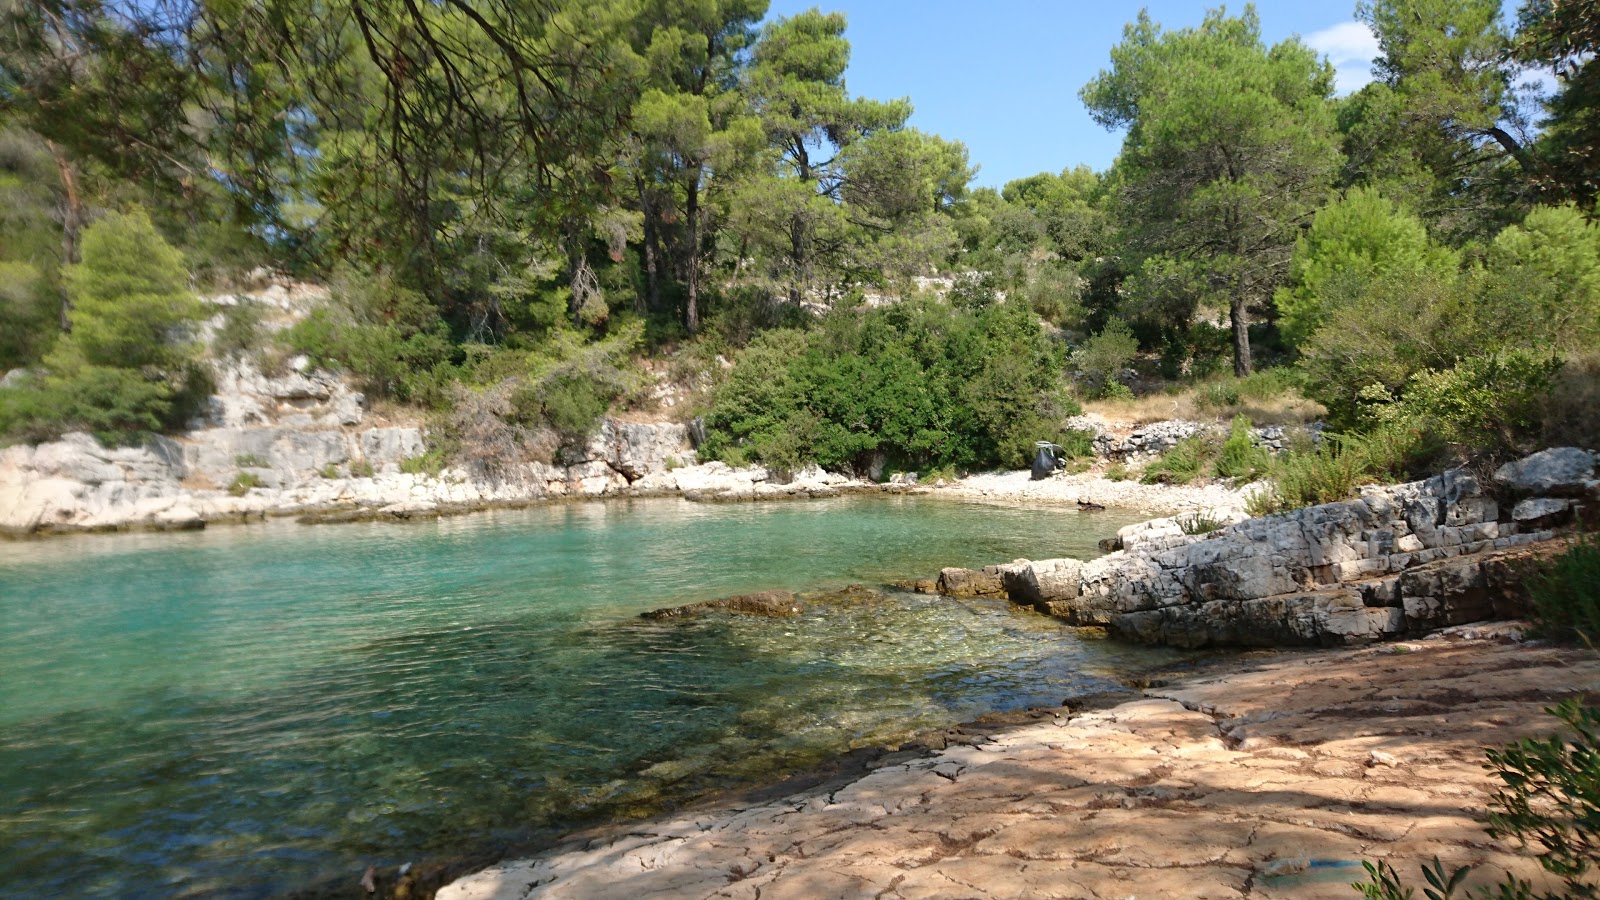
526,211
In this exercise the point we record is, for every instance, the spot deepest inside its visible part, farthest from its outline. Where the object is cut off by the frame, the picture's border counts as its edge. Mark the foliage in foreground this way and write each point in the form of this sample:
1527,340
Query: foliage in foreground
1550,800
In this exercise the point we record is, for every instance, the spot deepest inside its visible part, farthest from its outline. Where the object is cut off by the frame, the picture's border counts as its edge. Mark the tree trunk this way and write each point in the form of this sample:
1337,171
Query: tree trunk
1240,319
71,222
691,256
652,249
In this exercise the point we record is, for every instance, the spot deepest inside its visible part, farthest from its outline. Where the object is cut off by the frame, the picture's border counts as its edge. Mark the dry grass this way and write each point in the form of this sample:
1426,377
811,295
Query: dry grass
1189,403
1571,413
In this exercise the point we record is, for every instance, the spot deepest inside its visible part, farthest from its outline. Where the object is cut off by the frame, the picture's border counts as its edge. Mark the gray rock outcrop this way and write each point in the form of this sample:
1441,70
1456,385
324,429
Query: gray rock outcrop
1399,560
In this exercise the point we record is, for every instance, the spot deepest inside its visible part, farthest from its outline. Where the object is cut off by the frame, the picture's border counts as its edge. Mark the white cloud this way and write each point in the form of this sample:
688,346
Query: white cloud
1351,47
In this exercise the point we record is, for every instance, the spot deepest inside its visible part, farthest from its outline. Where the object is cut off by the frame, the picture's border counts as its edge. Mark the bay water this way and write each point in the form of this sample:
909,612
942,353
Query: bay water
250,709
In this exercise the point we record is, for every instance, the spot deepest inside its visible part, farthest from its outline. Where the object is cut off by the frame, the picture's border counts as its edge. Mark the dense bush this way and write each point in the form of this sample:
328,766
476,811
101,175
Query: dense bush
925,383
1102,358
1360,236
388,336
1492,403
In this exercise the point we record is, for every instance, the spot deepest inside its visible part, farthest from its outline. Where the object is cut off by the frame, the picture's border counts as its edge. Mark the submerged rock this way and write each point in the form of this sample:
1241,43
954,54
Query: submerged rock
774,604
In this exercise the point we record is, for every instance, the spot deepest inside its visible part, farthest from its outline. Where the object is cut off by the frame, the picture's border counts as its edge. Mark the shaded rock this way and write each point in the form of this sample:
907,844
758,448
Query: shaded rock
1310,618
1559,470
764,603
1542,512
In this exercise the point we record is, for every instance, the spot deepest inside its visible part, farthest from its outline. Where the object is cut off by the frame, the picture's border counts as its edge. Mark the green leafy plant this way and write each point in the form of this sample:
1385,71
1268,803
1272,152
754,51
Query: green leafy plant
243,482
1102,358
1201,522
1187,460
430,463
1240,457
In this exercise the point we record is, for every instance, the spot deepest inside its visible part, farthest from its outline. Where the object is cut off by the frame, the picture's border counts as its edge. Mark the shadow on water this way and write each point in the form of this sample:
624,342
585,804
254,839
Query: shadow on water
483,731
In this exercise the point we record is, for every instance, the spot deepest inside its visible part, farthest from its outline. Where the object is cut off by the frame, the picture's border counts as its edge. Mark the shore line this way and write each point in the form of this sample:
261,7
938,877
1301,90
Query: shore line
1276,777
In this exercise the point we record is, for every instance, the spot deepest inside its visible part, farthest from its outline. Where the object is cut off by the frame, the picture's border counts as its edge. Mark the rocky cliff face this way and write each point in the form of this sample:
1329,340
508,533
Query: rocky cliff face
1400,560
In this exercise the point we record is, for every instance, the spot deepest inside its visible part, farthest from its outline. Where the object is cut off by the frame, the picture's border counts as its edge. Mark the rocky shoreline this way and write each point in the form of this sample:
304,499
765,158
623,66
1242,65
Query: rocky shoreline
1273,779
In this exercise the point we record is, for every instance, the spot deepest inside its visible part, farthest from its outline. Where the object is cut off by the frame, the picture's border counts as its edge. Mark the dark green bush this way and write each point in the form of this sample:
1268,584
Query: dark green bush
242,330
387,336
925,383
1492,403
1102,358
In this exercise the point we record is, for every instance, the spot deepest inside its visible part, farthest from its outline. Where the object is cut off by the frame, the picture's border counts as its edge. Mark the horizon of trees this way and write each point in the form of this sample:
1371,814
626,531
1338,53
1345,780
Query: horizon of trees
495,185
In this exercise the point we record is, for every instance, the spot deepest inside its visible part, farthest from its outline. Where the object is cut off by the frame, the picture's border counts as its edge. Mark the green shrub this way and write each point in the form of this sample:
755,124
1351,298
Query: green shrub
1187,460
1364,234
1102,358
1337,469
430,463
361,468
251,461
922,382
329,471
128,366
1492,402
1239,456
117,406
243,482
386,335
1200,522
1117,471
1566,595
1260,386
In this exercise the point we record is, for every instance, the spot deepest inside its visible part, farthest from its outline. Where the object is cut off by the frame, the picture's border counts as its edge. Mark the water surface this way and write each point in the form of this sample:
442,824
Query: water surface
245,710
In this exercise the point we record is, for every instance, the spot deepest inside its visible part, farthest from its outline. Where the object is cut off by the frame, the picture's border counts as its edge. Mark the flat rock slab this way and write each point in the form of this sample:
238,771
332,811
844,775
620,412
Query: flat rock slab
1275,780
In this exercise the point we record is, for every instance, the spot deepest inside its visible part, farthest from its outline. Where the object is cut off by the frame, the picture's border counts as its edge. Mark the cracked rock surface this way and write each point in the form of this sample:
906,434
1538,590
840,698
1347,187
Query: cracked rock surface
1273,780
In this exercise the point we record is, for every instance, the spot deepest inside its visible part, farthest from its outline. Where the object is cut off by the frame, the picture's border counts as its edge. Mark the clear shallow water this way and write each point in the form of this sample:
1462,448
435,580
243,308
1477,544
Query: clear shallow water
245,710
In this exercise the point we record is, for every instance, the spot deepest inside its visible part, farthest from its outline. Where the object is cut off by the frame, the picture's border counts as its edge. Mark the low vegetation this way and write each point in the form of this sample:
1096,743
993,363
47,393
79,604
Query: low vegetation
243,482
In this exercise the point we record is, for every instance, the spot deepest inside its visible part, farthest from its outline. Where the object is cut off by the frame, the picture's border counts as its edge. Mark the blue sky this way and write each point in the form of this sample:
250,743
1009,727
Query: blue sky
1003,76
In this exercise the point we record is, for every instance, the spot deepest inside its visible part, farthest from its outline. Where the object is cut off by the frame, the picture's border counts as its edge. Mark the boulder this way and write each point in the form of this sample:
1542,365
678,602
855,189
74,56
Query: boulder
1559,470
1048,585
970,583
1540,512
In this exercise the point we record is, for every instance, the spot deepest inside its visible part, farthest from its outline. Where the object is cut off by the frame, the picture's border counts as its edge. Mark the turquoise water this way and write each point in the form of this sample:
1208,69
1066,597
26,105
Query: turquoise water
245,710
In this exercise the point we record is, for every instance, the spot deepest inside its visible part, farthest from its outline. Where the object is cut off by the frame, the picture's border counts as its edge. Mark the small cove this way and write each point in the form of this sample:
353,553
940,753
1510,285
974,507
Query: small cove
249,709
